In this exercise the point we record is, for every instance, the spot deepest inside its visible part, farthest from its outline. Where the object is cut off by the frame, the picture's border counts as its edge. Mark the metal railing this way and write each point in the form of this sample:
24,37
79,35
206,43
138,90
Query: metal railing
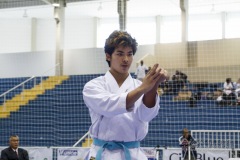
4,95
82,138
217,138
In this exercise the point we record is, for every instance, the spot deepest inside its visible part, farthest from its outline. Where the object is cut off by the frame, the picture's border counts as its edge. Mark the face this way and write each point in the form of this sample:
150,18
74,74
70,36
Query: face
186,134
120,60
14,142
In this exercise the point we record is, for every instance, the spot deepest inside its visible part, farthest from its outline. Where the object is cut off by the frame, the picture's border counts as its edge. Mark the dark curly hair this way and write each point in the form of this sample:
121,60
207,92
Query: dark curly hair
119,38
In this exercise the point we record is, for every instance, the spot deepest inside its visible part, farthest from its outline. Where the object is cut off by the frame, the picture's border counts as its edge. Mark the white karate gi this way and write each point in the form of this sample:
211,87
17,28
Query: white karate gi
110,119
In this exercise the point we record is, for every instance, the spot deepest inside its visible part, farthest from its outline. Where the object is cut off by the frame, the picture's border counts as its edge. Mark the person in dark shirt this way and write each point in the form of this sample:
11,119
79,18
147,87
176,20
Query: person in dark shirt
185,141
13,152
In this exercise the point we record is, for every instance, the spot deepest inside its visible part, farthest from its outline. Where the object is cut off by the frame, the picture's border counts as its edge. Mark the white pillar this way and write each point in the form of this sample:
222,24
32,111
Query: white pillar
158,28
184,17
59,15
33,34
223,15
122,11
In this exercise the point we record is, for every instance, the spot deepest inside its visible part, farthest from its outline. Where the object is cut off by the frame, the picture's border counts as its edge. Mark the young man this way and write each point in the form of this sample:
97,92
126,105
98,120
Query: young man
185,141
120,106
13,152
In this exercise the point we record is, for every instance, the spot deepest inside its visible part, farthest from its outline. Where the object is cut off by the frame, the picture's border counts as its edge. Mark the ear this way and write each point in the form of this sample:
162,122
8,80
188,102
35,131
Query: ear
108,57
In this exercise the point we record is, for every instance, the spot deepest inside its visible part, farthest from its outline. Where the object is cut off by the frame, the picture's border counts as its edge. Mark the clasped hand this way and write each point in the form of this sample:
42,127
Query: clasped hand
155,76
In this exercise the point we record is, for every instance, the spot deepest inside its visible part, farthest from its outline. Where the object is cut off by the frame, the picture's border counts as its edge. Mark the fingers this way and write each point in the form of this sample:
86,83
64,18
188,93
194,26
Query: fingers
161,75
153,70
157,74
164,76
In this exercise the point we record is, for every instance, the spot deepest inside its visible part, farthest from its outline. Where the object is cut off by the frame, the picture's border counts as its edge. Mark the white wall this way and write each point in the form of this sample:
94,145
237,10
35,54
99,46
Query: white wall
76,61
15,35
84,61
45,34
93,61
80,33
26,64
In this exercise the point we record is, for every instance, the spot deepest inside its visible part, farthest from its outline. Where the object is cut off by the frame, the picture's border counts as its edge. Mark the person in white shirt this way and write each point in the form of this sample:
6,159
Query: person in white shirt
121,107
141,71
237,89
228,86
229,92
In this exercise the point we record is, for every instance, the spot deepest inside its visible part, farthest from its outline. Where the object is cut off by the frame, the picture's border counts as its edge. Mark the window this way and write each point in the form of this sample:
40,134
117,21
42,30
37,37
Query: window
143,29
170,29
204,27
105,28
233,25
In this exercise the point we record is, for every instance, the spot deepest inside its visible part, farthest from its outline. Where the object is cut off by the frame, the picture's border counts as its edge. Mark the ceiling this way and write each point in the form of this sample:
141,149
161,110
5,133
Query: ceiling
108,8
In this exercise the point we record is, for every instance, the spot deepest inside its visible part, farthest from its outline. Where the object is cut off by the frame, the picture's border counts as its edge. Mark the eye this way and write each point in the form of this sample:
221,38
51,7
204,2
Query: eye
120,54
130,54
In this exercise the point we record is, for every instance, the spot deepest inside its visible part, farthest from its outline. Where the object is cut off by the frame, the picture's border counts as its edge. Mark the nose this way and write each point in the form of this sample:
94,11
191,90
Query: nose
125,58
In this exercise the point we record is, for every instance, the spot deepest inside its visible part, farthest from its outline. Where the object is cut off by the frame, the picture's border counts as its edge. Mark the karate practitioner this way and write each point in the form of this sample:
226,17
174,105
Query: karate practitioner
120,106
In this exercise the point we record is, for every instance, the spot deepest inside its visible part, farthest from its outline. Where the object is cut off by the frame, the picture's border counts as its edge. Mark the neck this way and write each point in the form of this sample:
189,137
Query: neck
120,78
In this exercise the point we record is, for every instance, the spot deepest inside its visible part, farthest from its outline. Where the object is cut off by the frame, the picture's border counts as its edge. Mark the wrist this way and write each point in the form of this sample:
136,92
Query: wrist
141,89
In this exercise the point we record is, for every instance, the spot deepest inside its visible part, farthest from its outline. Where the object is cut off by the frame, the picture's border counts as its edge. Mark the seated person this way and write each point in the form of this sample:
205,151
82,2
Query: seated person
237,89
185,141
228,91
13,152
177,83
228,86
182,76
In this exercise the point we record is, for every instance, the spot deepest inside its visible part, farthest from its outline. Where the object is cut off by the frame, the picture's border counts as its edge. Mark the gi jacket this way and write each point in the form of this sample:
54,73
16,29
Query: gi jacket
110,119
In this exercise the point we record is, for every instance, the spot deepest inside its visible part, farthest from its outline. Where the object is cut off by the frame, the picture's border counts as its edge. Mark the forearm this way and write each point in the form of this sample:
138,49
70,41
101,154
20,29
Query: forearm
148,88
149,99
133,96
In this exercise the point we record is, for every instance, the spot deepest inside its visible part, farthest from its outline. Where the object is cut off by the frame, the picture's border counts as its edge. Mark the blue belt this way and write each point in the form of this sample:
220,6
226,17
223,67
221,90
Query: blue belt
113,145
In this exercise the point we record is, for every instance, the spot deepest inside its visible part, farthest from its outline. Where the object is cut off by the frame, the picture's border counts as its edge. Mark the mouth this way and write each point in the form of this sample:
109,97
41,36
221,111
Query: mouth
125,66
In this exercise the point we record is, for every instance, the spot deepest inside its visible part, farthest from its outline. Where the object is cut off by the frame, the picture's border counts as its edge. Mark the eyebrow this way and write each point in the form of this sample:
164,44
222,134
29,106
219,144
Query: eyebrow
120,51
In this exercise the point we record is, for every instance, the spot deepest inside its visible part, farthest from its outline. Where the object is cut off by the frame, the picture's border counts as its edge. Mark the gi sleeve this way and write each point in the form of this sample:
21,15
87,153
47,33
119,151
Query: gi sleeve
146,114
102,102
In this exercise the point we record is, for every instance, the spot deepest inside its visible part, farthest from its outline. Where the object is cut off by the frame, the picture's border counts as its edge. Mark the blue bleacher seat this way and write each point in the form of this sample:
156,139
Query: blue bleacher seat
59,117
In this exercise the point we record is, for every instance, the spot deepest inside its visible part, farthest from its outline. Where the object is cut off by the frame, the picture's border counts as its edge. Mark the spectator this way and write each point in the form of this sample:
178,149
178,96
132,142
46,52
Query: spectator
182,76
141,71
228,86
186,141
121,107
13,152
175,85
149,68
237,89
228,91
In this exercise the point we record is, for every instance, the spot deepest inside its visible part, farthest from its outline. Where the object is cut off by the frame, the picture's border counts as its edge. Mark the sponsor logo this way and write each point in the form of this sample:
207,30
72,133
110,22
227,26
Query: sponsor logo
178,156
68,152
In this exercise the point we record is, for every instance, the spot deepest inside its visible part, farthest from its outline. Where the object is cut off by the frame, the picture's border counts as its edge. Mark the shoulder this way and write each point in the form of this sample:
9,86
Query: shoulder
191,137
95,81
6,150
21,149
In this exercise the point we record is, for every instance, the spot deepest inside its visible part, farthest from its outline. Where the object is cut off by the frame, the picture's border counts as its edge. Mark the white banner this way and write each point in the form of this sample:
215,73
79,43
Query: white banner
149,152
82,153
40,153
203,154
72,153
37,153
